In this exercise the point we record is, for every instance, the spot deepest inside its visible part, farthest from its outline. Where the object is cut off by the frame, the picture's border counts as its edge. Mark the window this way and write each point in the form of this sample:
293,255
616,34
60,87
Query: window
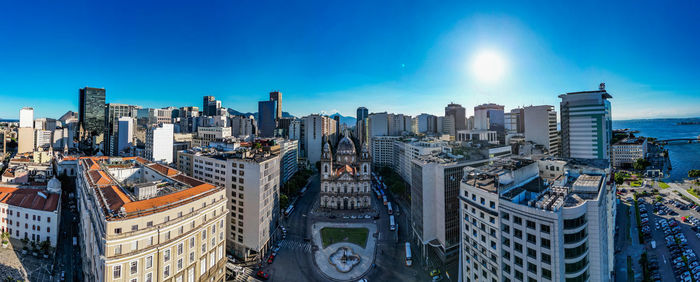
517,220
149,262
117,272
518,247
531,238
134,227
179,264
117,230
517,233
531,253
149,277
202,266
546,258
191,257
179,249
545,243
505,228
118,250
544,228
204,248
546,273
166,255
518,261
166,271
134,267
192,242
531,224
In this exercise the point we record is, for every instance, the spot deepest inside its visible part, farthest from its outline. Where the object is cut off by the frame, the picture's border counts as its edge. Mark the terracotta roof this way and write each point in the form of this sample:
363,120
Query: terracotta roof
114,197
10,172
165,200
69,158
29,198
163,169
187,180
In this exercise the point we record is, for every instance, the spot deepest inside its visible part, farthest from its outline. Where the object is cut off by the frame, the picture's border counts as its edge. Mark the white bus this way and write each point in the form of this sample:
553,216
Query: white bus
289,210
409,260
392,225
388,208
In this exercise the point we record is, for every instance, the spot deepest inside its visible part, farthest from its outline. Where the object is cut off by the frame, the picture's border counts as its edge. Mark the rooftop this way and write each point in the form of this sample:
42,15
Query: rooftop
36,199
244,152
132,187
631,141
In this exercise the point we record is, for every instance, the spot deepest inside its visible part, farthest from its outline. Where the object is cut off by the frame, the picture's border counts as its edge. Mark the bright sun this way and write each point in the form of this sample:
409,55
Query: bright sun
488,66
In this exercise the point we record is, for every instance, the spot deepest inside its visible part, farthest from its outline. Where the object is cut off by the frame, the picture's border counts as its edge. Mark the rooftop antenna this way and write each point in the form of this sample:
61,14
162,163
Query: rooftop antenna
601,87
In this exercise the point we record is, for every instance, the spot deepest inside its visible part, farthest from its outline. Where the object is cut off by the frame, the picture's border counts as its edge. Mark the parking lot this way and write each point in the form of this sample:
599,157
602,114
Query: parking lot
671,239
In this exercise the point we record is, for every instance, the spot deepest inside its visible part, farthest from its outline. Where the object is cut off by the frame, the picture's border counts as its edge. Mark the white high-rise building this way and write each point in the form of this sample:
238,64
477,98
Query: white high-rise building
43,139
159,143
26,117
317,130
252,181
586,124
541,127
546,220
125,129
383,151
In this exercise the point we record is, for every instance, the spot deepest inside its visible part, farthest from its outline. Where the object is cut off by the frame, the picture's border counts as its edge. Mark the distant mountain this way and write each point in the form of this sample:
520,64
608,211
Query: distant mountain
255,114
8,120
349,121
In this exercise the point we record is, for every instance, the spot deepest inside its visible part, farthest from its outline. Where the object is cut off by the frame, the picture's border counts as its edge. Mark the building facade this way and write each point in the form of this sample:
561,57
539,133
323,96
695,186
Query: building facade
159,143
143,221
541,127
586,124
383,154
345,179
625,152
545,220
252,188
91,114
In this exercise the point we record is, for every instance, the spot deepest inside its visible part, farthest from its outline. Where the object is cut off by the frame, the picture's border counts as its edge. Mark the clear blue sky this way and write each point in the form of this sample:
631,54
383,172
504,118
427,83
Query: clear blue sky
327,56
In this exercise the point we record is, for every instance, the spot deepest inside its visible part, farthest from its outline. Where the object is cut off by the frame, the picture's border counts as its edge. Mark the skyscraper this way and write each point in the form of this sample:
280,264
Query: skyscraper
276,96
266,118
361,124
91,115
210,106
125,130
113,112
26,117
459,115
362,113
159,143
541,127
586,124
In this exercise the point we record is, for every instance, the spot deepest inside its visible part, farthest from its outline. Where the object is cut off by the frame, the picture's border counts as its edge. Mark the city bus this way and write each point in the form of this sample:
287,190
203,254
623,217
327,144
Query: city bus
384,198
289,210
388,208
392,224
409,260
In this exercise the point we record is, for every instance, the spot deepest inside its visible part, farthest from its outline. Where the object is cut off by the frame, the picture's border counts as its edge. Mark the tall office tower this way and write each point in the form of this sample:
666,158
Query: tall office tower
489,117
426,123
383,151
586,124
251,178
125,137
470,123
448,126
210,106
26,117
289,158
545,220
25,132
266,118
113,112
143,221
186,112
435,220
541,127
515,121
159,143
282,129
317,130
295,130
459,115
91,114
242,126
361,124
276,97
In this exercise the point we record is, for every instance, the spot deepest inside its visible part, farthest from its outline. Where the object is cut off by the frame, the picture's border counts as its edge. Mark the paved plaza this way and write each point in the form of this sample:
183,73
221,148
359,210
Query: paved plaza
21,267
321,256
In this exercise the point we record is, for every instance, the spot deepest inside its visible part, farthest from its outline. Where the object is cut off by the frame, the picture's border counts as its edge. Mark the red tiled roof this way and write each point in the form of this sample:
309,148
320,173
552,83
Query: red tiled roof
114,197
163,169
165,200
29,198
187,180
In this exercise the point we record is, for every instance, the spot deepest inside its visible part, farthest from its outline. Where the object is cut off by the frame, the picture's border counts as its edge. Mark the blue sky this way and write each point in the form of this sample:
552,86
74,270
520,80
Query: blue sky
326,56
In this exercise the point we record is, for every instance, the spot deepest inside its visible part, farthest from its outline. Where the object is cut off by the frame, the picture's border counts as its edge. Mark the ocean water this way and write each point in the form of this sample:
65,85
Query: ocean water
683,156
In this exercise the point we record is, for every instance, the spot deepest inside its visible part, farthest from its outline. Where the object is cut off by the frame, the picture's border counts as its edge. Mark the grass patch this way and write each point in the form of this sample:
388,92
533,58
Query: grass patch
332,235
636,183
663,185
693,192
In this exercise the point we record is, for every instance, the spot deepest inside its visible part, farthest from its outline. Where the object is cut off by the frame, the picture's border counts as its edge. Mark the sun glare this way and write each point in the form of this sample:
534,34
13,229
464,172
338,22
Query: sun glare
488,66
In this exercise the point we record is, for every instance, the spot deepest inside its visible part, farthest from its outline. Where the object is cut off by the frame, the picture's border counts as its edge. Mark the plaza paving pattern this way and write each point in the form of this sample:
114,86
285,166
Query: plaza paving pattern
321,256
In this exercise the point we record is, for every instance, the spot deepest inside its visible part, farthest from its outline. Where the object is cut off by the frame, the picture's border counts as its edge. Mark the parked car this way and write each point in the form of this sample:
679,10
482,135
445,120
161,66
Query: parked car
262,275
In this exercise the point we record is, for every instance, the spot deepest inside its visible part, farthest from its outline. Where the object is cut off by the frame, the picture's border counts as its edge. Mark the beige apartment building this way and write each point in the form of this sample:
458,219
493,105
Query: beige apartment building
145,222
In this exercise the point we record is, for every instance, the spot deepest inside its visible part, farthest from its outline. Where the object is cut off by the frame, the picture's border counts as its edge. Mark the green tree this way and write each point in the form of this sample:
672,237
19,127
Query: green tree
619,178
398,188
640,164
693,173
284,202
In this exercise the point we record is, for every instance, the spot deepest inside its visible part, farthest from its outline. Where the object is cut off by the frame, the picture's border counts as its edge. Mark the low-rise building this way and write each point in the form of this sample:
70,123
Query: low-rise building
31,214
626,151
489,136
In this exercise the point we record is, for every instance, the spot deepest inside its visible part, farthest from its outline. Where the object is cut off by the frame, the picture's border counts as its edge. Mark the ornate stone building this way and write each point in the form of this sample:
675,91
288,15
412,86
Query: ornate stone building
345,180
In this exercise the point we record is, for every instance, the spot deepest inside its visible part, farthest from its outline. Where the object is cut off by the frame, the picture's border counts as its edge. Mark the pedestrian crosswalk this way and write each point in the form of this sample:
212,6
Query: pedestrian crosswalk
296,246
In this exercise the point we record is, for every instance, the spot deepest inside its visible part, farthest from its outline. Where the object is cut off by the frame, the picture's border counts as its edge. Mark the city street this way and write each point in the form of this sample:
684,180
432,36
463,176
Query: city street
68,256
